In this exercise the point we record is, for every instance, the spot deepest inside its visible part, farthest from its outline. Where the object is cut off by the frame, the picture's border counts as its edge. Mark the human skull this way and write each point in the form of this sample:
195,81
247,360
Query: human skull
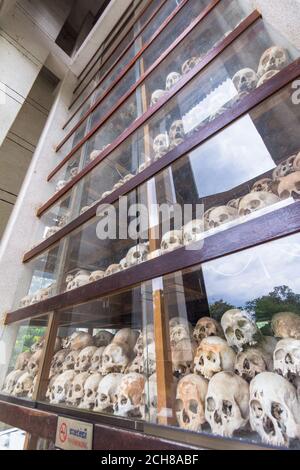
212,356
266,77
60,185
171,241
240,330
90,391
172,79
107,393
70,360
96,276
128,177
57,362
193,231
245,80
84,359
74,171
176,133
160,145
274,409
144,165
274,58
129,396
23,385
137,254
40,345
179,321
221,215
81,279
76,390
227,404
96,362
190,402
265,185
118,185
146,337
61,386
51,231
256,201
206,217
206,327
50,387
126,336
183,358
77,341
156,96
102,338
123,264
34,362
234,203
11,381
22,360
189,64
94,154
287,359
179,332
115,358
285,168
289,186
105,194
286,325
251,362
137,365
112,269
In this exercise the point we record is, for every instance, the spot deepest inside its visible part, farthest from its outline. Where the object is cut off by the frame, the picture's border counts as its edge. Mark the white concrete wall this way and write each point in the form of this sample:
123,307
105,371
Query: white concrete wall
26,35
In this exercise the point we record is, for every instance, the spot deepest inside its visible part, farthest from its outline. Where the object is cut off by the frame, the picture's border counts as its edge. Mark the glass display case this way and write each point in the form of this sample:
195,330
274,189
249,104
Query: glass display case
162,296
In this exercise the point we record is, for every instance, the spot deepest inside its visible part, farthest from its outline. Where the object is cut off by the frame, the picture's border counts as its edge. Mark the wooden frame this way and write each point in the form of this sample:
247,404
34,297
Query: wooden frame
146,116
108,436
143,77
247,104
277,224
110,40
136,57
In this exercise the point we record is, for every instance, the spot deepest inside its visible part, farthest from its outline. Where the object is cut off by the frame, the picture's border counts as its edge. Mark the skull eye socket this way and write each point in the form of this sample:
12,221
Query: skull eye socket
103,397
193,406
256,408
227,408
89,393
210,404
59,389
279,355
106,358
211,356
123,400
277,411
77,388
229,331
178,405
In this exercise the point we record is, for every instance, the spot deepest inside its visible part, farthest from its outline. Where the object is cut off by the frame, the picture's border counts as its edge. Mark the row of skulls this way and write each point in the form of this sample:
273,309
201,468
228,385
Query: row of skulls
240,380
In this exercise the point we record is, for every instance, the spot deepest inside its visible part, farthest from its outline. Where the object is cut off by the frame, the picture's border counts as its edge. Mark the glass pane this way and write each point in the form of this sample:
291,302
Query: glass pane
102,366
234,327
22,357
11,438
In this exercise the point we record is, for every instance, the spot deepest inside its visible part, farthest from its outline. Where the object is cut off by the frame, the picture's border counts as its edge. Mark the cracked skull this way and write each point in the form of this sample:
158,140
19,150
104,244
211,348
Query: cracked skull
265,184
221,215
127,337
227,404
96,362
252,362
115,358
190,402
274,409
274,58
58,362
239,329
23,385
156,96
77,341
70,360
61,386
103,338
130,395
245,80
212,356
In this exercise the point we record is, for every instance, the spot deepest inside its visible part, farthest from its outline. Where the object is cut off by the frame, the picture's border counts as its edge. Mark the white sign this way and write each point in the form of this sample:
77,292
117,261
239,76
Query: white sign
73,435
